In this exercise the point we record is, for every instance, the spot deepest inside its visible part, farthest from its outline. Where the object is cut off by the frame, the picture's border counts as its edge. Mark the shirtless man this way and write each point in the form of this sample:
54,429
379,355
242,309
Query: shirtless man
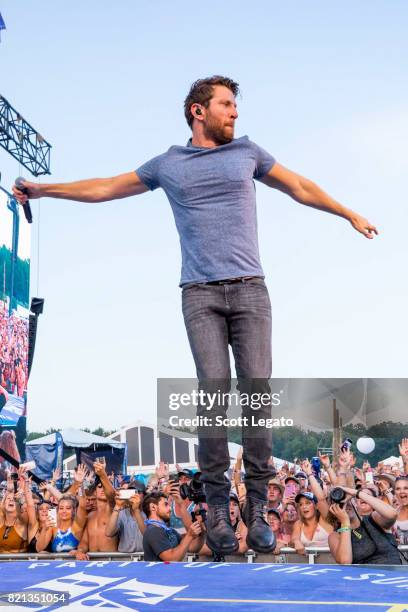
90,505
94,538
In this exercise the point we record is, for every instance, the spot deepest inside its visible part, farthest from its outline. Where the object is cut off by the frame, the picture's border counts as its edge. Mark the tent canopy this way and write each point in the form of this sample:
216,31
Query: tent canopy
76,438
393,461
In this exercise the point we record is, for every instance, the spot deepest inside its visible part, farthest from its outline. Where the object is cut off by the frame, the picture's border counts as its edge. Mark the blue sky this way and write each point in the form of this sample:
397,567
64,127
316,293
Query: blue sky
324,89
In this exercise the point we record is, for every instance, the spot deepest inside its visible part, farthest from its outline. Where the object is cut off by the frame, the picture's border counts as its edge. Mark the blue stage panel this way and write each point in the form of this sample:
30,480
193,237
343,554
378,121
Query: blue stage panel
209,586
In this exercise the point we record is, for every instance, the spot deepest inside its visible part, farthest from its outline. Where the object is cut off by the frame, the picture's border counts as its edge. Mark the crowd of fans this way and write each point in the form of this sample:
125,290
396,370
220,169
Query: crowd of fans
13,354
360,514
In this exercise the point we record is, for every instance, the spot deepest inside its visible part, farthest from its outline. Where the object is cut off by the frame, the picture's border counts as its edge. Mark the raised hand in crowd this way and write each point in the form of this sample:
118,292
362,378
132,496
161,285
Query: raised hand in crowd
81,473
56,475
307,467
359,475
50,492
135,502
237,467
162,471
403,450
344,459
100,471
324,460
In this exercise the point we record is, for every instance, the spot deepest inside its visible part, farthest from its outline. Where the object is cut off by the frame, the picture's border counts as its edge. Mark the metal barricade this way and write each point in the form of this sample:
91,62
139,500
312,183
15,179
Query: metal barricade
286,555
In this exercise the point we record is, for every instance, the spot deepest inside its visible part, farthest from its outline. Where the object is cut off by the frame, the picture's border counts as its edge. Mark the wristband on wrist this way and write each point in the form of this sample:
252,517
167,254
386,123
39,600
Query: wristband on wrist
343,529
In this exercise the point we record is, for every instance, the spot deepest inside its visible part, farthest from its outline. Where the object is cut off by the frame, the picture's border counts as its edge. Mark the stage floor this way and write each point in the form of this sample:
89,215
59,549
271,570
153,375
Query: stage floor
203,586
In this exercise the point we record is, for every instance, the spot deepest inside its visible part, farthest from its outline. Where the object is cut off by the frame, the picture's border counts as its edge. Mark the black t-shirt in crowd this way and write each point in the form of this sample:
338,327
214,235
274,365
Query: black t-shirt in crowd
156,540
371,544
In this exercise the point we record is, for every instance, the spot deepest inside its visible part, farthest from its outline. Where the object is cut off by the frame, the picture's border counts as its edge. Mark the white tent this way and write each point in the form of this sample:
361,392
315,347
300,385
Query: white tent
393,461
77,439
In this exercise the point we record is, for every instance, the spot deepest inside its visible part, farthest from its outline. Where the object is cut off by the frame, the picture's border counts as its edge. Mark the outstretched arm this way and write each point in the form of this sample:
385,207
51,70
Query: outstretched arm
317,490
100,471
383,514
306,192
89,190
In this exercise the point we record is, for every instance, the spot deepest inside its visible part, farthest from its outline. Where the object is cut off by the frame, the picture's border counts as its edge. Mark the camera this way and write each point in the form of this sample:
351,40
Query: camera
338,496
200,512
194,491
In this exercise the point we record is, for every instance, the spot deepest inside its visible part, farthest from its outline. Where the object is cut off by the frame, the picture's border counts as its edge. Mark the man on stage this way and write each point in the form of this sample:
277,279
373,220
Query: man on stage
210,187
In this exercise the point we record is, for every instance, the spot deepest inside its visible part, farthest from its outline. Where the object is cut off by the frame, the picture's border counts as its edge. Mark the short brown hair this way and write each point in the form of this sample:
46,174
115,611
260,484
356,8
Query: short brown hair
201,92
153,498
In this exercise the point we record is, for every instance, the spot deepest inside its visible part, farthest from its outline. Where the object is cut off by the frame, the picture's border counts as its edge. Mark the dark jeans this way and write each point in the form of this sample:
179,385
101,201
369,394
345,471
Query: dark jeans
215,316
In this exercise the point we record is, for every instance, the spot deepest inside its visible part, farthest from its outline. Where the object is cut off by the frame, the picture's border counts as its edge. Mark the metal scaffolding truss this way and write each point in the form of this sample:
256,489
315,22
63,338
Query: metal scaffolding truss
22,141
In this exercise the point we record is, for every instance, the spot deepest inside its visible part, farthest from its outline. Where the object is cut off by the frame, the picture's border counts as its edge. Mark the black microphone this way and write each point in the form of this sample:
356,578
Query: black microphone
26,206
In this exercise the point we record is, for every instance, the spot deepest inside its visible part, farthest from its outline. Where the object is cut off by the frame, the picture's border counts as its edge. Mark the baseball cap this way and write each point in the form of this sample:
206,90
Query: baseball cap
234,496
139,485
291,477
301,475
308,496
275,512
186,472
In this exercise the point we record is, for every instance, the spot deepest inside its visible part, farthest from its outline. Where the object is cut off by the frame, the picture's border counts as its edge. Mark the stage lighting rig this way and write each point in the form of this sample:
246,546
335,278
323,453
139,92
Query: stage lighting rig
22,141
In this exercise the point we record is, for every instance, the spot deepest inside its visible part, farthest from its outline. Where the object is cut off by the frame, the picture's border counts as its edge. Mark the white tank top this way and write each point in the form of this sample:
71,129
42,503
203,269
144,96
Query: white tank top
320,537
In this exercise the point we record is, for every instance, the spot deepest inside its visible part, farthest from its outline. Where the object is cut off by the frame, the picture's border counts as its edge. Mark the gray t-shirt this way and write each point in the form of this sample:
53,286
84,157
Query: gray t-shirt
130,536
212,195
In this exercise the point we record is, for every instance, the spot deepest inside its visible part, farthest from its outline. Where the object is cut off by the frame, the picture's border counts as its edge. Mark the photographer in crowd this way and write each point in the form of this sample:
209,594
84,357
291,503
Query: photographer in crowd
363,539
161,542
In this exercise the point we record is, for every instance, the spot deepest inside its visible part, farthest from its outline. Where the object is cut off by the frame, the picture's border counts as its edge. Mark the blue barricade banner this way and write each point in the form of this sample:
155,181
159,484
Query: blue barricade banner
203,586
